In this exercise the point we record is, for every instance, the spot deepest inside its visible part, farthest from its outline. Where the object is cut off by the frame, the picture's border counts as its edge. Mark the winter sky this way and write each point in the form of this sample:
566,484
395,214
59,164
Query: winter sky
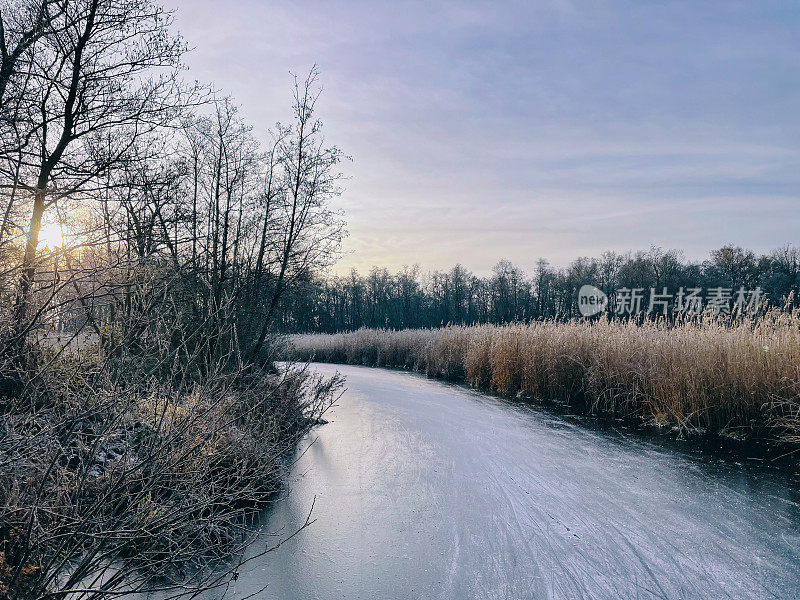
541,128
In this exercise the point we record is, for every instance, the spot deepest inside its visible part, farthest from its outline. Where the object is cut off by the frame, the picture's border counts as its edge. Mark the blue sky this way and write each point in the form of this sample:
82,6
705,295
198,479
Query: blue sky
519,130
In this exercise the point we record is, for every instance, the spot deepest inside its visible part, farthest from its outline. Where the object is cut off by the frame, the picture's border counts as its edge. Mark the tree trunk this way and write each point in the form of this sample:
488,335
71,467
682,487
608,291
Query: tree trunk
28,273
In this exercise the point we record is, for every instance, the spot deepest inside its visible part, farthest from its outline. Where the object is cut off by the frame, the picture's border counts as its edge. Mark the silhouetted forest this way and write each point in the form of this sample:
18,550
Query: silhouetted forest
412,299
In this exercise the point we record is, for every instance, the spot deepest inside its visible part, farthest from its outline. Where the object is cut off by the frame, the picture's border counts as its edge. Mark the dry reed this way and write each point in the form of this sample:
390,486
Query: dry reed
740,378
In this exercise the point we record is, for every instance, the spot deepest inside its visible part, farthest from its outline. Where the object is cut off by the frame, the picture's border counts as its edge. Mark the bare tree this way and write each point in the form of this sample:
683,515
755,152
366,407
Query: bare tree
311,231
22,24
104,75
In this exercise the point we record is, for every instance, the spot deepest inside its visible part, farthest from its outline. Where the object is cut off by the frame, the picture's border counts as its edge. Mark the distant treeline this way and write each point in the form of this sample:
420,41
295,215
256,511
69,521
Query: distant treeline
409,299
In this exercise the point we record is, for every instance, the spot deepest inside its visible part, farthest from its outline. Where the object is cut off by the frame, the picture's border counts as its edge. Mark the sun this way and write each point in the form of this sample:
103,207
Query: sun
50,235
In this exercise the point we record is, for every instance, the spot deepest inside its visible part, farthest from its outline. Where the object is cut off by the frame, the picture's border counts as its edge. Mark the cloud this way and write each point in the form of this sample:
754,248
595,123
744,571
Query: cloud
482,130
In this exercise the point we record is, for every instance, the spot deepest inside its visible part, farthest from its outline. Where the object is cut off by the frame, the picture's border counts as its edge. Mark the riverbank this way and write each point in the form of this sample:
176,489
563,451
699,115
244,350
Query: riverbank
739,380
109,487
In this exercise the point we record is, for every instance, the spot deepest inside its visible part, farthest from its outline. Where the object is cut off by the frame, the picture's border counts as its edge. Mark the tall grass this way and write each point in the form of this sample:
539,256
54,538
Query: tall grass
733,377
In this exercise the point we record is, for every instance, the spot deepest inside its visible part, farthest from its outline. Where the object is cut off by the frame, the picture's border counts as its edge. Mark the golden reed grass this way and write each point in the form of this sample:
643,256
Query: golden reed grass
735,377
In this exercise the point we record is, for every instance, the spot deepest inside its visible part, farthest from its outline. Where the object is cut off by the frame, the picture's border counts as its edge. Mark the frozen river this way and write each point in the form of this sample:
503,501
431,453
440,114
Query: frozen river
425,490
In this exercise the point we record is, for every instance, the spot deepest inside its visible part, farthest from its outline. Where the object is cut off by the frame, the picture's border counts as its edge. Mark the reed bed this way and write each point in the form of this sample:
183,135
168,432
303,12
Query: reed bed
738,378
